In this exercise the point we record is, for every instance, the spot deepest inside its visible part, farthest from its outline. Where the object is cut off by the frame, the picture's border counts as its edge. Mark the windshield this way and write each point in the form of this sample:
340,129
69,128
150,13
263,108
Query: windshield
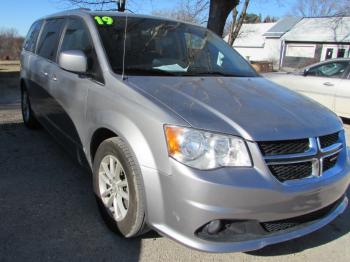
159,47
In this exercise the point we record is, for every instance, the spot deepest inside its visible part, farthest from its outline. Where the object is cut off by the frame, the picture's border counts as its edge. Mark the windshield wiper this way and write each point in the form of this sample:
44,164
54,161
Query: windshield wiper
147,71
209,73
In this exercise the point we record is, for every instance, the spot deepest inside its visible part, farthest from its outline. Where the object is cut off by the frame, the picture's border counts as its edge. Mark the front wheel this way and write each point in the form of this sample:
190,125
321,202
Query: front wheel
27,113
119,189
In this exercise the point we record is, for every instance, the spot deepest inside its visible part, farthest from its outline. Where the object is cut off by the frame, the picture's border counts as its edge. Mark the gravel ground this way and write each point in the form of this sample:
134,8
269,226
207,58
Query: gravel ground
48,211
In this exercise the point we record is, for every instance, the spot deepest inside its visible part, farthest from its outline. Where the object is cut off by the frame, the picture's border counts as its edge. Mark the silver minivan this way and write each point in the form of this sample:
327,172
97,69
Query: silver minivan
180,133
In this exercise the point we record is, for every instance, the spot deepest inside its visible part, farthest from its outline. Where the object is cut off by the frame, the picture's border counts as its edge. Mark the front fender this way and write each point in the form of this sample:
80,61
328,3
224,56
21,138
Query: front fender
149,149
134,136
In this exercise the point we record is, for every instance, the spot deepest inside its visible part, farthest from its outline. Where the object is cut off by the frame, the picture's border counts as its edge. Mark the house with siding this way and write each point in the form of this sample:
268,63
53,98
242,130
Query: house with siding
294,42
313,40
251,42
261,42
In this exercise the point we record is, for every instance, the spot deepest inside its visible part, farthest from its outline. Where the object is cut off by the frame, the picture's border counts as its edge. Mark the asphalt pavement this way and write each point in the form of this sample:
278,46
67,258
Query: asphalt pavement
48,211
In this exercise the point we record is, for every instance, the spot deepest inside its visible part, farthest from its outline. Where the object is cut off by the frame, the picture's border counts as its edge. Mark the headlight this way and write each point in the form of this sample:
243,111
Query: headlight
205,150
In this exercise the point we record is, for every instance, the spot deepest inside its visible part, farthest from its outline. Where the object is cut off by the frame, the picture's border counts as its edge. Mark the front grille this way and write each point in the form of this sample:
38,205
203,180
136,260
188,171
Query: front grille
328,140
276,226
301,158
284,172
329,162
284,147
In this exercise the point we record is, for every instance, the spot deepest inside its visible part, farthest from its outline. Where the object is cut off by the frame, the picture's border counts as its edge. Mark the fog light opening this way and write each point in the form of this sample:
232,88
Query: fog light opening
214,227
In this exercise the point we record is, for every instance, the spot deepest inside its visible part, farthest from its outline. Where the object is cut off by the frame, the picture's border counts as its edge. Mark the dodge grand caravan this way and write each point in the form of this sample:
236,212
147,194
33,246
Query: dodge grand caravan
181,134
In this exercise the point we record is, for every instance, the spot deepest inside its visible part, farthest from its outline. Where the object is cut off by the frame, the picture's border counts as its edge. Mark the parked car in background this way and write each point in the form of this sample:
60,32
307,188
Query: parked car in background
180,133
327,82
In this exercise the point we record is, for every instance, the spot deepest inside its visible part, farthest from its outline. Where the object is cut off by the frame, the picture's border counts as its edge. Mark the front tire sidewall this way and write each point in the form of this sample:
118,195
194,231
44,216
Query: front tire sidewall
131,224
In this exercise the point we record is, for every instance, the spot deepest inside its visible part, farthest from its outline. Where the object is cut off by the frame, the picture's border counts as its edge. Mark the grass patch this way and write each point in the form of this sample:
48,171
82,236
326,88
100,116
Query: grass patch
9,66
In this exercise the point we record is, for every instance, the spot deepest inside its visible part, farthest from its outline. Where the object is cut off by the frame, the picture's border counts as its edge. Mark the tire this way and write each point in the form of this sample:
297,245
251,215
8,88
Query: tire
127,183
28,116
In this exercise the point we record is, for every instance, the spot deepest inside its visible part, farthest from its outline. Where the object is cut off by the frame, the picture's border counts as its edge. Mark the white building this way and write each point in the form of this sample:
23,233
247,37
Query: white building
252,44
262,41
313,40
295,42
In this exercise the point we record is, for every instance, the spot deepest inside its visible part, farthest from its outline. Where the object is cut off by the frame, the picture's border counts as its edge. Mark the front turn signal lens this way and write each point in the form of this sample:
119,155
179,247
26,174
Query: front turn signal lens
173,135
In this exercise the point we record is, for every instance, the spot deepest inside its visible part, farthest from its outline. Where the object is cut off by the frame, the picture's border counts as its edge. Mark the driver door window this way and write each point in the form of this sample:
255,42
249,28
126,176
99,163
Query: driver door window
77,37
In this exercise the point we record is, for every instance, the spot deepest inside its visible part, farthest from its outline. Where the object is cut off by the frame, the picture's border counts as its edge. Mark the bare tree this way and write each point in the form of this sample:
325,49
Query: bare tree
219,10
96,5
99,4
196,9
10,44
193,11
344,8
318,8
236,25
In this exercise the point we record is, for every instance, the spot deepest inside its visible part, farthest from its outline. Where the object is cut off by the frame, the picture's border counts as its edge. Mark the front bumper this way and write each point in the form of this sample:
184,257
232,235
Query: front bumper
258,243
179,204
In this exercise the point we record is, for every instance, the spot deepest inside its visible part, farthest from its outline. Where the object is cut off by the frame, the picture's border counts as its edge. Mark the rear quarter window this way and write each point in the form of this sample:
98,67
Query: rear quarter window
49,39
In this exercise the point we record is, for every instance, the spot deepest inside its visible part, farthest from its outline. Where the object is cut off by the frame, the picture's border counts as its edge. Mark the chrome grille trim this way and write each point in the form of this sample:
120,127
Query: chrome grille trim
311,152
303,157
315,154
284,147
315,169
329,148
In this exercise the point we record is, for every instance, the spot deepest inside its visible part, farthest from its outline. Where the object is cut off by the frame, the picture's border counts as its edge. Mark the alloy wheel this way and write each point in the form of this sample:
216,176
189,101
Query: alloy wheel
114,187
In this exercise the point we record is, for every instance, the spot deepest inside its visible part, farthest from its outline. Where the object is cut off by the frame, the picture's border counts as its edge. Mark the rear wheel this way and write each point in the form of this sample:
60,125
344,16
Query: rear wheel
27,113
120,193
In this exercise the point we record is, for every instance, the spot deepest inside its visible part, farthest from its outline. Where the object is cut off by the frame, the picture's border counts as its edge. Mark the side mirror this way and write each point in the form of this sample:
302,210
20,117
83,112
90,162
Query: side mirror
306,71
73,60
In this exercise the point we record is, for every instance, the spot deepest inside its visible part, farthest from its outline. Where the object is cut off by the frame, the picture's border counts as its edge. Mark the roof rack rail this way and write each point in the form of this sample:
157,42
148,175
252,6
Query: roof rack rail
81,9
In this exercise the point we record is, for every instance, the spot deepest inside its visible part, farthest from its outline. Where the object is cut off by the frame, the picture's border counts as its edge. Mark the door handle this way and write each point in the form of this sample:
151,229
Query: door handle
328,84
45,73
54,78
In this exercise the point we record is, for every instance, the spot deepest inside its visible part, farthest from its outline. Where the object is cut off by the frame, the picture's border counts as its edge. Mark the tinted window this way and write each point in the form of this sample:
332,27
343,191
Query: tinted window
155,46
333,69
77,37
341,53
49,38
32,36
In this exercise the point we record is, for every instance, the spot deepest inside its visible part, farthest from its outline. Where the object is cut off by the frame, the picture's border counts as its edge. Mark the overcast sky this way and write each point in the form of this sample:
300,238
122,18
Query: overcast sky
21,13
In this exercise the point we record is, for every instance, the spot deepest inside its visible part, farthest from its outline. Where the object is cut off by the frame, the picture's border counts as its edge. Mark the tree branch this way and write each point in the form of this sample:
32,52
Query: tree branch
239,23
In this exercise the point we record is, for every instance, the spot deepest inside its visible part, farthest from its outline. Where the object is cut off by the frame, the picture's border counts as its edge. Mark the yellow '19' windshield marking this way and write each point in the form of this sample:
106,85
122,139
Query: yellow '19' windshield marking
104,20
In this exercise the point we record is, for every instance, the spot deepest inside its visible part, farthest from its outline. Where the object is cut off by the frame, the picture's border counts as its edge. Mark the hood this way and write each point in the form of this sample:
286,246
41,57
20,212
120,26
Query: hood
253,108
